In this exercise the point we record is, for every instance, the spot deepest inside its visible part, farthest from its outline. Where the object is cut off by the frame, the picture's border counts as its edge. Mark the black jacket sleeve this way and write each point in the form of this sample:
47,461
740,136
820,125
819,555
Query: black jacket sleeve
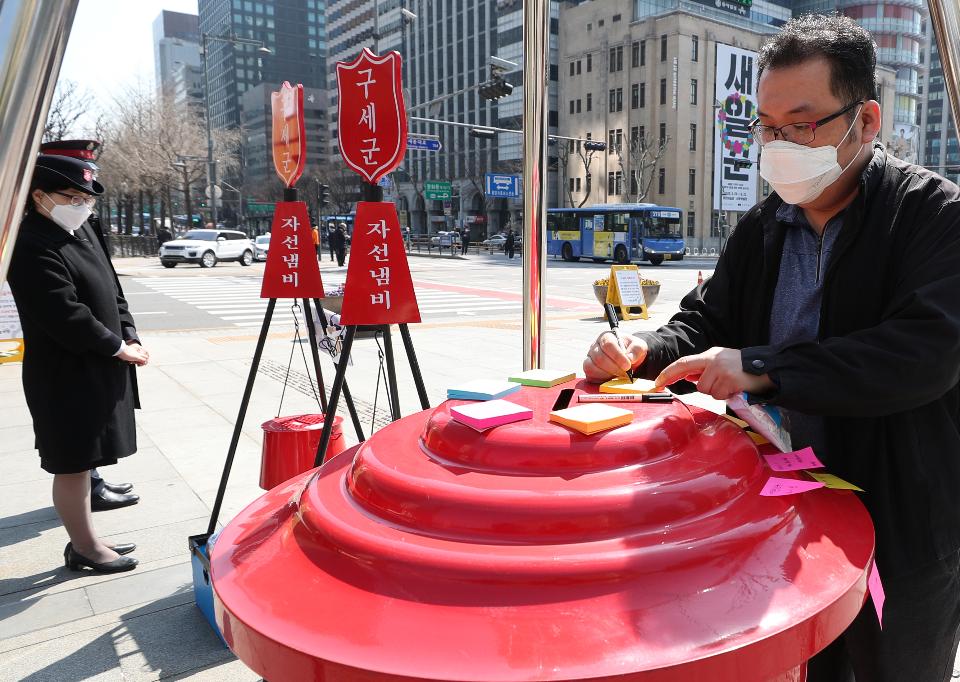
909,359
44,292
707,317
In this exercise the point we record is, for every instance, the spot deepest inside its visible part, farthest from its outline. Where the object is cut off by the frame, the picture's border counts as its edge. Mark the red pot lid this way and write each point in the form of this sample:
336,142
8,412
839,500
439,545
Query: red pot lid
532,552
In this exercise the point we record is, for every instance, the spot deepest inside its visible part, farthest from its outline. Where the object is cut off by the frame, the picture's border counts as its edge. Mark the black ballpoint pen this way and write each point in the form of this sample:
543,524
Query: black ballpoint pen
615,328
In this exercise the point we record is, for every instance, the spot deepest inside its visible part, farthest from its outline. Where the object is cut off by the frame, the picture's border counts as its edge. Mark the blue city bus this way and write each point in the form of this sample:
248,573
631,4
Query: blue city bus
623,233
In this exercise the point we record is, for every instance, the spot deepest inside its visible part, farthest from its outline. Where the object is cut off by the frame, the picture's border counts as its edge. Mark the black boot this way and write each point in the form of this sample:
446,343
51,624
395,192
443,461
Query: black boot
105,500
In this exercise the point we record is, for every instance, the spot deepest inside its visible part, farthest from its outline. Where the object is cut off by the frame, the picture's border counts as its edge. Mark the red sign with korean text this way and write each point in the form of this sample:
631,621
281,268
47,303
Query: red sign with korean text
372,116
292,270
289,136
379,289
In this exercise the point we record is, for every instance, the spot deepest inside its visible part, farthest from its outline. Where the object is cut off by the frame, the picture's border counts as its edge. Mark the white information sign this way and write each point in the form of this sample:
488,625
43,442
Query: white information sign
734,151
9,320
628,285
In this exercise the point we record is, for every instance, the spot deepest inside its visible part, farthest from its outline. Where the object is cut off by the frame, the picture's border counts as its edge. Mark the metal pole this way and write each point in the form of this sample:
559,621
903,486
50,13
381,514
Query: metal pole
376,27
33,37
211,164
945,20
536,50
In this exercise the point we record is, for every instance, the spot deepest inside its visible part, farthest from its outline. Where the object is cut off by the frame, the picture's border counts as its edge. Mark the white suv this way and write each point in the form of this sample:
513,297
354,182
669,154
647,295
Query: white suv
207,247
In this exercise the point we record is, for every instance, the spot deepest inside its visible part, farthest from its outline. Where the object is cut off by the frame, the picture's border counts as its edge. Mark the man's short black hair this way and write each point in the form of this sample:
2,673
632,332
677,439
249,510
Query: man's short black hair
845,44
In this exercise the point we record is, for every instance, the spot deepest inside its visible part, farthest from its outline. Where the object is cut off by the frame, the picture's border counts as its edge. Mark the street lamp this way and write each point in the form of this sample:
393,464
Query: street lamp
211,163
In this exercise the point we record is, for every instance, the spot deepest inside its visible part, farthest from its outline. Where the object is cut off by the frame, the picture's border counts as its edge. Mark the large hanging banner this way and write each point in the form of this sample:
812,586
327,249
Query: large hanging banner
734,152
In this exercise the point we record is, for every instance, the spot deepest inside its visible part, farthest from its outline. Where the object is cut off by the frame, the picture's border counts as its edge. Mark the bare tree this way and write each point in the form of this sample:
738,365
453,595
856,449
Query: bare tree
68,107
585,157
638,161
477,169
563,156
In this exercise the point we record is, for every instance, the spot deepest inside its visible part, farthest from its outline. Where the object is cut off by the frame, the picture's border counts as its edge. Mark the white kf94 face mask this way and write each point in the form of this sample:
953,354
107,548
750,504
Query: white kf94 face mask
799,174
67,216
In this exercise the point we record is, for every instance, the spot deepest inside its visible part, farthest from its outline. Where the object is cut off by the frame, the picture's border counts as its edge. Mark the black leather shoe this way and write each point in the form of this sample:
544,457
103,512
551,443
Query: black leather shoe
105,500
74,561
119,488
123,548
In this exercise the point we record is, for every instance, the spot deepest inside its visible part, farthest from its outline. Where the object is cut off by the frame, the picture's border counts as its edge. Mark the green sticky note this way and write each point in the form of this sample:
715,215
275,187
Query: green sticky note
542,378
834,482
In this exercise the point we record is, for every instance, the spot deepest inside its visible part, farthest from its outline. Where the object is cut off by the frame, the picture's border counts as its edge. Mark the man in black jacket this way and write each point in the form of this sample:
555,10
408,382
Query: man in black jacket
838,300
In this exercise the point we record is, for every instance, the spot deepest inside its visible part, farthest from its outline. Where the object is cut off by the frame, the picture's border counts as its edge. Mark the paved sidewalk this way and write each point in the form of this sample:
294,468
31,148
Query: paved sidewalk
62,626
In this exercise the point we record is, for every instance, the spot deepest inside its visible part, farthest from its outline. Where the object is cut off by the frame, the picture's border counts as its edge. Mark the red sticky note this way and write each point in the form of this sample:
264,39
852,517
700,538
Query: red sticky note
794,461
876,592
787,486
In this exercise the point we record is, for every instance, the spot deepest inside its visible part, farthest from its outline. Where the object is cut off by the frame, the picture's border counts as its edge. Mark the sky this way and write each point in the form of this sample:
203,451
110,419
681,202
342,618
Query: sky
111,44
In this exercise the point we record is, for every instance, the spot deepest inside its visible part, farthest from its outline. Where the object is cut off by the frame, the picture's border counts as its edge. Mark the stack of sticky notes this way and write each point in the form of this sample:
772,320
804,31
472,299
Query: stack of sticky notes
623,385
482,389
542,378
591,418
486,415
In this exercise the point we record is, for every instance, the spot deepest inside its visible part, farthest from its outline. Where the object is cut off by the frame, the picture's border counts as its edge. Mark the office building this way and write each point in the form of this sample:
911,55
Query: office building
293,30
176,49
941,151
640,70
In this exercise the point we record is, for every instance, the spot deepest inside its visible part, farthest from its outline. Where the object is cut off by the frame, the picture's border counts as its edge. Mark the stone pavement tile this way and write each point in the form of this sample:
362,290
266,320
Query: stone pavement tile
16,438
15,412
205,377
88,655
238,495
158,390
232,671
146,464
23,465
33,613
161,502
140,586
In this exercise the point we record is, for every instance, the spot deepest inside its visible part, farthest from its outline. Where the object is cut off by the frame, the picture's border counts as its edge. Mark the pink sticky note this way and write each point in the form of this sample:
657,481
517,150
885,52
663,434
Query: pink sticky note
876,592
787,486
483,416
794,461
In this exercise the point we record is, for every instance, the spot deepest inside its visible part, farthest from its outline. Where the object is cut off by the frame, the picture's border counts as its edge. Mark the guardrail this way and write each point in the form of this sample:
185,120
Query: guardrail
127,245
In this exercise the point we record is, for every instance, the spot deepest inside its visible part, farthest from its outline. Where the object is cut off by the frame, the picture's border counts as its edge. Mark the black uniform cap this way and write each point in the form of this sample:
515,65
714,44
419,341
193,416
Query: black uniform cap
67,173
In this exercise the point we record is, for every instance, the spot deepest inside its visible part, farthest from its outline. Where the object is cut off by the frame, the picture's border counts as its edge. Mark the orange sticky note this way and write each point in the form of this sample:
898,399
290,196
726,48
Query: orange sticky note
590,418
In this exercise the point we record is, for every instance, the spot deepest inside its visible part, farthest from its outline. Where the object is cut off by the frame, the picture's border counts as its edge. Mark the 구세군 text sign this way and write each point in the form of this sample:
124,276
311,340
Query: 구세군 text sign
372,129
289,136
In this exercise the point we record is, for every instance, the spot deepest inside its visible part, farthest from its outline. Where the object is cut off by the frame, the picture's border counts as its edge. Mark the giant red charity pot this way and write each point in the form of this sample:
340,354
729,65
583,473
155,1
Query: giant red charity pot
531,552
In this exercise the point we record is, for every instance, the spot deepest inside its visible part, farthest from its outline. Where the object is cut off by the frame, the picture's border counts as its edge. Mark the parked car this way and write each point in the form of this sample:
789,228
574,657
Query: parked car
207,247
261,245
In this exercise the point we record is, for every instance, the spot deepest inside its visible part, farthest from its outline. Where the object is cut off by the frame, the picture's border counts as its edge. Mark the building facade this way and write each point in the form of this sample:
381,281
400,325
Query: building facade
941,149
176,47
652,75
293,30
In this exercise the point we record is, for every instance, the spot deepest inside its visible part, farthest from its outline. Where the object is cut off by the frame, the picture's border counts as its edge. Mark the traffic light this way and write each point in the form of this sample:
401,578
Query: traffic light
483,133
323,195
594,146
495,88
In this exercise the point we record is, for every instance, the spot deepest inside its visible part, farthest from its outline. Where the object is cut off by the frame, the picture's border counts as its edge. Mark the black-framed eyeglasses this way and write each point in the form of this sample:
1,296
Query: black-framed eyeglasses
79,199
802,132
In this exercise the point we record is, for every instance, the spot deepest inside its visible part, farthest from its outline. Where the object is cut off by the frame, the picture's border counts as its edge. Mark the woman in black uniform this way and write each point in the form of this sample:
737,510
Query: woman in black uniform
81,351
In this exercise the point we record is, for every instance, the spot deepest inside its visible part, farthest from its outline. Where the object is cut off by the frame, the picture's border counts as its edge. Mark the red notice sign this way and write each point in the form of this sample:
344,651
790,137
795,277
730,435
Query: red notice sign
292,270
289,136
379,289
372,116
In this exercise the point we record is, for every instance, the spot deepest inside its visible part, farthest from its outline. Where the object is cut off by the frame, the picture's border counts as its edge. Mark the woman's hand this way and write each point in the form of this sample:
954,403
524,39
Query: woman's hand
134,353
607,359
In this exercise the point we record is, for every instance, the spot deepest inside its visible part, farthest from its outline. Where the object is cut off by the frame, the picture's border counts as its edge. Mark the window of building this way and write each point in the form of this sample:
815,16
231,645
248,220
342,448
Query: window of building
643,52
589,63
578,184
663,133
571,106
693,137
691,224
578,104
635,54
600,23
662,181
663,47
616,100
616,17
693,91
615,62
694,48
579,64
635,96
643,134
663,91
643,95
692,181
573,66
611,183
589,101
614,139
634,137
570,185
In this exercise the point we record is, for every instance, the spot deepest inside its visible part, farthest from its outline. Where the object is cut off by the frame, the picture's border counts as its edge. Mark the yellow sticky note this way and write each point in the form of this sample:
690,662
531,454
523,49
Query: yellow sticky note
832,481
739,422
592,418
622,385
757,438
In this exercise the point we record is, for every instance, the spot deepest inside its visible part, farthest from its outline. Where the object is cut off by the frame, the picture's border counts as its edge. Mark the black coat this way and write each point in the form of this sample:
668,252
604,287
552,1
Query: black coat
885,369
74,319
338,240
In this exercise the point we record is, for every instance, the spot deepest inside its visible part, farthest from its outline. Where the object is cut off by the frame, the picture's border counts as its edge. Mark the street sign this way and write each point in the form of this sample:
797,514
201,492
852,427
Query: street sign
384,182
425,144
372,117
217,191
435,189
289,136
503,185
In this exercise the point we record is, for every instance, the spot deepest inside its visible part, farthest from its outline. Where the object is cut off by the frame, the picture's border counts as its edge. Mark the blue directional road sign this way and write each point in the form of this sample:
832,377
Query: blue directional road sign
426,144
503,185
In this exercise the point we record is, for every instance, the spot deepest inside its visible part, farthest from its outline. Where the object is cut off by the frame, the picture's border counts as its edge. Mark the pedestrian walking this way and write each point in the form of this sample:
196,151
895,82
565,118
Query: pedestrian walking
339,241
465,239
330,240
836,301
81,351
315,234
510,244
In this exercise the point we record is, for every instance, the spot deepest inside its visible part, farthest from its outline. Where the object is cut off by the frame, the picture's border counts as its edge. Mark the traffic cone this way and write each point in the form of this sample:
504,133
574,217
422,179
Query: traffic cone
699,277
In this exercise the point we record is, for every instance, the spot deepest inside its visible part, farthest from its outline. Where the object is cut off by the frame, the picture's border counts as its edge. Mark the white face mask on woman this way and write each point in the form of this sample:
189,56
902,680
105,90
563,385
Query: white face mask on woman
799,174
67,216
